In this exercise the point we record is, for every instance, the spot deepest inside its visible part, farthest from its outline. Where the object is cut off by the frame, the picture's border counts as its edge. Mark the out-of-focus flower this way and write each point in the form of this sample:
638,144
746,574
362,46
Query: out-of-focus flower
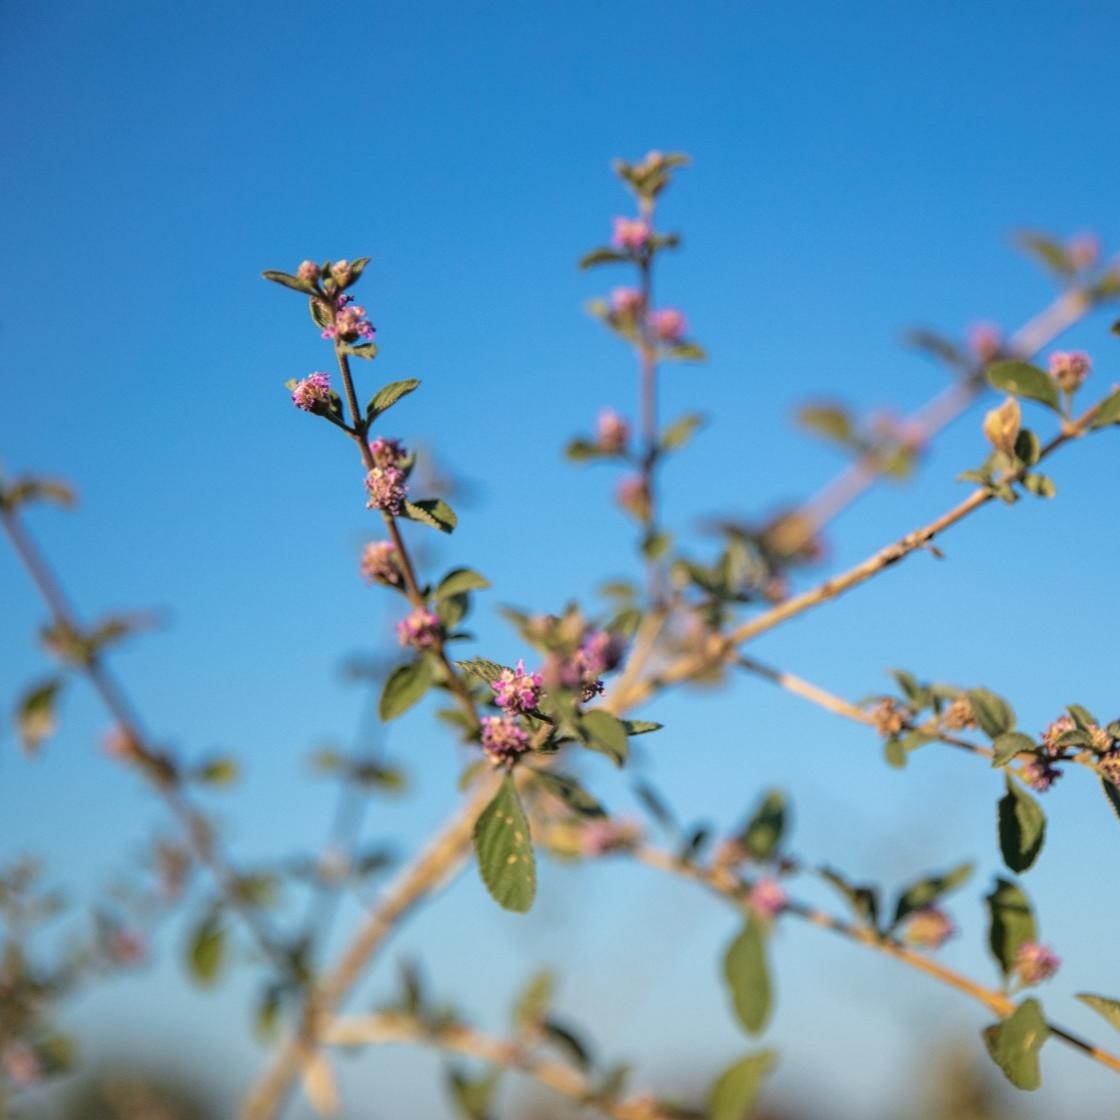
421,629
1069,368
598,837
958,716
1002,424
503,738
767,898
517,691
1054,731
1084,250
889,717
928,928
1035,962
1040,774
669,325
387,452
985,340
626,302
380,564
612,431
632,495
631,233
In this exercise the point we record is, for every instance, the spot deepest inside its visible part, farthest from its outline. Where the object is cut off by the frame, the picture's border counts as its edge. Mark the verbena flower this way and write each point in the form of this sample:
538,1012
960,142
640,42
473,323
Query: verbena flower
313,393
767,898
631,233
350,322
1054,732
1035,962
1069,368
517,691
958,716
1108,766
929,928
889,717
503,738
626,302
387,452
421,629
669,325
381,564
387,489
1040,774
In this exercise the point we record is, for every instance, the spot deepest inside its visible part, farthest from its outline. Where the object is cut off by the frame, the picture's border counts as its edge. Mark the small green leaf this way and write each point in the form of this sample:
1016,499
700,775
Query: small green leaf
567,789
504,848
641,726
1048,251
218,771
926,891
680,431
387,396
472,1095
602,256
1014,1044
404,686
1006,747
460,580
36,713
1024,380
532,1003
288,281
600,731
992,712
1113,795
734,1094
832,421
489,671
570,1043
1102,1005
1011,923
1108,412
862,898
764,831
748,977
1022,827
206,950
432,511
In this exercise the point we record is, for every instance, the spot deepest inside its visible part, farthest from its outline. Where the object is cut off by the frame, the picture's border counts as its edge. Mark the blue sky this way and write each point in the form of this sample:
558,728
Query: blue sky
858,169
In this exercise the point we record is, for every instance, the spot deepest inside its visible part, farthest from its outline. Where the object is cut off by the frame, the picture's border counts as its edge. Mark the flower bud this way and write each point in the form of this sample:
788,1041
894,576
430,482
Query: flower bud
341,273
631,233
669,325
1001,426
1084,250
633,496
613,432
308,271
380,564
985,340
1069,368
1035,962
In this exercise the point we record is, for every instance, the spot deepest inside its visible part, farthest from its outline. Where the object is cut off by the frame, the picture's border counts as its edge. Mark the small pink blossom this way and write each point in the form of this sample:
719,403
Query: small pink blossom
387,452
503,738
612,431
340,272
313,393
380,564
632,496
669,325
929,928
387,490
985,340
767,898
631,233
626,302
421,629
1084,250
1054,732
1035,962
308,270
1069,368
127,947
1040,774
517,691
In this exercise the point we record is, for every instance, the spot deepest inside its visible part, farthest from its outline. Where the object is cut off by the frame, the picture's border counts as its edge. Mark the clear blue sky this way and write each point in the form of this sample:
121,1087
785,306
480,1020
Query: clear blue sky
858,168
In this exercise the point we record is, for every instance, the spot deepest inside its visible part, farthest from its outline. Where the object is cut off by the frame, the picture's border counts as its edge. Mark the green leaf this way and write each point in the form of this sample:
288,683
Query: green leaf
472,1095
1011,923
460,580
504,848
206,949
926,891
1108,412
748,977
641,726
1024,380
1014,1044
387,396
532,1003
602,256
602,732
832,421
580,450
733,1095
1022,827
568,1042
218,771
1081,715
1102,1005
686,352
432,511
36,713
404,686
680,431
1009,745
1048,251
1113,795
489,671
288,281
862,898
992,712
765,829
567,789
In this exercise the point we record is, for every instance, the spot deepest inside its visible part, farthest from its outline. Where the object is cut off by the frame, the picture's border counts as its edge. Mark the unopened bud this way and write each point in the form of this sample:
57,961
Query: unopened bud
1001,426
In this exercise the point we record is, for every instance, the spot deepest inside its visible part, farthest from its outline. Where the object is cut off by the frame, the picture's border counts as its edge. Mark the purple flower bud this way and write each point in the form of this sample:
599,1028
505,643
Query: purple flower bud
632,496
613,432
380,564
1109,767
387,452
630,233
929,928
1069,368
421,629
387,489
669,325
626,302
767,898
503,739
1040,774
313,393
309,271
601,652
517,691
1035,962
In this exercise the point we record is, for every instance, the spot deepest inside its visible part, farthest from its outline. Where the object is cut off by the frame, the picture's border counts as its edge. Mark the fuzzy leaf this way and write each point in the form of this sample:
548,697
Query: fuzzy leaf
36,713
748,977
1011,923
206,950
765,829
1009,745
504,848
1109,411
404,686
734,1094
387,396
1014,1044
926,891
1022,827
600,731
1102,1005
1024,380
568,790
432,511
992,712
460,580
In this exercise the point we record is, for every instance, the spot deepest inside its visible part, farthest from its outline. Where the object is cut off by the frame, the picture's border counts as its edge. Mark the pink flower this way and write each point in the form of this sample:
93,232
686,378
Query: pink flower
631,233
313,393
517,691
1035,962
387,452
340,273
929,928
767,898
380,564
503,739
669,325
309,270
613,433
421,629
387,490
1054,732
1069,368
1040,774
985,340
626,302
632,495
598,837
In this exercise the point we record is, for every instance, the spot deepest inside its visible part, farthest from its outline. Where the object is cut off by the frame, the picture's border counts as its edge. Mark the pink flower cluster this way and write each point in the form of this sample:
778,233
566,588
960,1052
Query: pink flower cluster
767,898
503,738
350,322
598,653
632,496
1035,962
313,393
1069,368
1040,774
631,233
386,483
421,629
516,691
1053,733
626,303
668,325
380,564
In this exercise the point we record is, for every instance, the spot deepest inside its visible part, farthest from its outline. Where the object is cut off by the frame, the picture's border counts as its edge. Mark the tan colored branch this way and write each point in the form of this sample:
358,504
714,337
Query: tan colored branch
727,885
379,1029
